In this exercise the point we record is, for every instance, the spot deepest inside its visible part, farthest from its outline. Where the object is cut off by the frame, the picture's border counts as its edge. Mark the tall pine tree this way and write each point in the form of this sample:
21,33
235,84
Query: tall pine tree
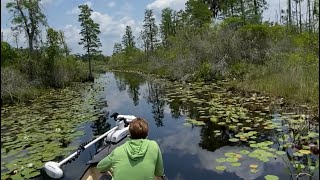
150,31
128,40
89,32
167,26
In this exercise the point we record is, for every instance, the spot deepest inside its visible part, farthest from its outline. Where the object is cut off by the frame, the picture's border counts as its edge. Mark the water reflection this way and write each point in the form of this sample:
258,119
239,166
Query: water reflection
182,144
155,97
131,82
189,153
211,142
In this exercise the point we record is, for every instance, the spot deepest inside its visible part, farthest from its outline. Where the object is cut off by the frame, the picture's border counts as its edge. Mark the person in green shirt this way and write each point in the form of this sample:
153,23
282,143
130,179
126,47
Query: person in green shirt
137,159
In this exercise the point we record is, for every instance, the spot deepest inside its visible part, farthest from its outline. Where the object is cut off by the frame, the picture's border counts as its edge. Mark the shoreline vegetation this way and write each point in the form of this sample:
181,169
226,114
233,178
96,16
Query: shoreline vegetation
220,42
278,58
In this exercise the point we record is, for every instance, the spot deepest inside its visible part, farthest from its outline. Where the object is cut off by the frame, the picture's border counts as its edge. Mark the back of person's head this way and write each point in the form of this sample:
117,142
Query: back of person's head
138,129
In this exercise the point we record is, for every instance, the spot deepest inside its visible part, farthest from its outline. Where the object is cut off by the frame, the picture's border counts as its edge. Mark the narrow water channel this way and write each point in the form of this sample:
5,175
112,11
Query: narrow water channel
190,151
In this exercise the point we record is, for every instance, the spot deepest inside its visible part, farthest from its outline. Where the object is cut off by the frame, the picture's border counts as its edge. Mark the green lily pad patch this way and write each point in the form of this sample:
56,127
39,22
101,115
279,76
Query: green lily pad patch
221,168
271,177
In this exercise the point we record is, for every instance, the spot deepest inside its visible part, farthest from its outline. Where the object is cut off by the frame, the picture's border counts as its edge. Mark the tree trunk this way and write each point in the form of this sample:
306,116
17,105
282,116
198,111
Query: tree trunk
242,12
30,66
255,7
16,38
90,78
231,9
300,17
297,19
280,13
30,45
151,38
309,16
289,14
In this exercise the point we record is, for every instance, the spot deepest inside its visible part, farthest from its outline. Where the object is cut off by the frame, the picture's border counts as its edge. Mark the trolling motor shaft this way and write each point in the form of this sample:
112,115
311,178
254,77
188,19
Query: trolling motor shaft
114,135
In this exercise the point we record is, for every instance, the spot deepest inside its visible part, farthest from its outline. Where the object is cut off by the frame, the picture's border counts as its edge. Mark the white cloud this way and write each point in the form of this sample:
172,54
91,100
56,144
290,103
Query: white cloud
105,21
114,27
46,2
125,10
158,5
111,4
73,37
111,29
76,10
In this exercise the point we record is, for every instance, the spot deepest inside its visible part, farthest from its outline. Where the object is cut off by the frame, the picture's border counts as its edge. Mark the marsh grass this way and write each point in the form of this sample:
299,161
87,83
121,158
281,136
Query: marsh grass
294,79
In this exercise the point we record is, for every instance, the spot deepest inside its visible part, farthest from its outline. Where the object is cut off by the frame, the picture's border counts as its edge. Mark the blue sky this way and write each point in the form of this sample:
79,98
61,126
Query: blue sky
112,15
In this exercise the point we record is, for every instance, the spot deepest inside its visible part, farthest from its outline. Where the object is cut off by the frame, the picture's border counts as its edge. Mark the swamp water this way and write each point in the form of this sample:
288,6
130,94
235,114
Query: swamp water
204,130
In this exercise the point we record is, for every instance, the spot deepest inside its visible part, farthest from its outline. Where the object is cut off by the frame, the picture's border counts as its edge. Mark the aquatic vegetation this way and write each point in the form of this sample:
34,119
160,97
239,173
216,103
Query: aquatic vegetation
195,122
249,119
271,177
221,168
42,131
233,139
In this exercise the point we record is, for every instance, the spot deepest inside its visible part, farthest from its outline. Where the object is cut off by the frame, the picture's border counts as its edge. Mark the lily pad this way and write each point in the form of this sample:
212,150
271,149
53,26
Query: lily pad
271,177
221,168
280,152
233,140
236,164
244,152
231,160
220,160
253,166
303,151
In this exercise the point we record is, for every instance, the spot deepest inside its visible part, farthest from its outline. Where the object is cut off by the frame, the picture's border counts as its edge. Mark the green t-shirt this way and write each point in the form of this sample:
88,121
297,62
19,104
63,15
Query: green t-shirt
137,159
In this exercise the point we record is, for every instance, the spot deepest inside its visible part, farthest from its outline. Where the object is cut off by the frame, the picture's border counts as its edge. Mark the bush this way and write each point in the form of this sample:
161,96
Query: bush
7,53
69,70
15,86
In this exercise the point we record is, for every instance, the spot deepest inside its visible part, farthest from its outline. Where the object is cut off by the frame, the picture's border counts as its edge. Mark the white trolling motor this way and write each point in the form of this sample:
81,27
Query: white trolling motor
114,135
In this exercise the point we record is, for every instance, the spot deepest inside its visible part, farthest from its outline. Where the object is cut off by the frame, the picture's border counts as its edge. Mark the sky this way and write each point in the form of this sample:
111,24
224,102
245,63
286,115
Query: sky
112,15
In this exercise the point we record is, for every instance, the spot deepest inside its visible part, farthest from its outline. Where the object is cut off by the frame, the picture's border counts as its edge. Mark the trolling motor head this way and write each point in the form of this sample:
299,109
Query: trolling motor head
114,115
53,170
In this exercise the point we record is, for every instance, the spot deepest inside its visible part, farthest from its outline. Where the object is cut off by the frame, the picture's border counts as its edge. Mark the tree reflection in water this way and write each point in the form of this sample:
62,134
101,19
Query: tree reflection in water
211,142
132,81
156,98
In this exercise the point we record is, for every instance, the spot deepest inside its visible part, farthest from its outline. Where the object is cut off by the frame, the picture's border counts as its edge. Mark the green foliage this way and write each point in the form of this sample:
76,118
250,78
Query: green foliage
27,16
52,51
89,32
15,86
127,41
149,32
168,25
198,12
68,70
204,73
232,23
292,76
259,31
7,53
239,70
117,48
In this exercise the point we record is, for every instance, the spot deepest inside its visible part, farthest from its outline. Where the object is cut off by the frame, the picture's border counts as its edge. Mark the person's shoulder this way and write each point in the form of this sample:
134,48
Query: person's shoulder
152,143
119,149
